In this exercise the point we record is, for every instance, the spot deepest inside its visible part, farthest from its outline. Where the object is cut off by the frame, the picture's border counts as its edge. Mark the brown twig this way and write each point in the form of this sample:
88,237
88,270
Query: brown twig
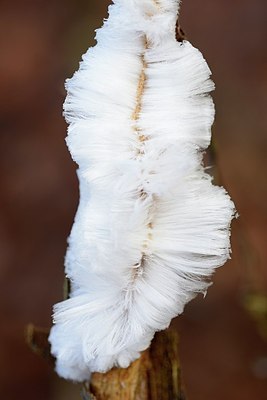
156,375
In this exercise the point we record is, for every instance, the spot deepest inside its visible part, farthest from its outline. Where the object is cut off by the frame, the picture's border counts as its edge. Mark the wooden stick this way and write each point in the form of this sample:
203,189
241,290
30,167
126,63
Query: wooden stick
156,375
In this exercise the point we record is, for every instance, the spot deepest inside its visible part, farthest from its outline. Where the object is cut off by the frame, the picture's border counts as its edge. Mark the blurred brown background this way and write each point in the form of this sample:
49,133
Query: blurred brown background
224,354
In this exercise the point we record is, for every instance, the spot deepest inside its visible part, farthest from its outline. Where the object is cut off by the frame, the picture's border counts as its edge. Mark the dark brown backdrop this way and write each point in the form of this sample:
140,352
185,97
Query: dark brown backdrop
41,44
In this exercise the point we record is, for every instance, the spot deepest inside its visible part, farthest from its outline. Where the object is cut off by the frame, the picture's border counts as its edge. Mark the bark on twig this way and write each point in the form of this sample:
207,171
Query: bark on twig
156,375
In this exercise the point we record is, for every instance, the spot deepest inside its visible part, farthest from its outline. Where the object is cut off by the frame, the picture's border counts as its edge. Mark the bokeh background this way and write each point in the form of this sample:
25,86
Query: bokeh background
223,346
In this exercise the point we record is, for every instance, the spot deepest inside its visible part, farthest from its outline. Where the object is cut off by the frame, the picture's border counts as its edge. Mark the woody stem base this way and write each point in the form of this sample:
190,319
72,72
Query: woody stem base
156,375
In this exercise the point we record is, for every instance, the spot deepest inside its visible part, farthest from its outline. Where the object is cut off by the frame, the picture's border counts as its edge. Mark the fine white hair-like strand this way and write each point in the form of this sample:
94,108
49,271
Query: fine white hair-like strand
151,227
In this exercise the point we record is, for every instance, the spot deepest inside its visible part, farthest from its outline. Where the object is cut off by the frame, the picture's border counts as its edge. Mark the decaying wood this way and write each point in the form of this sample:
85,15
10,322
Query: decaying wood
37,340
156,375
